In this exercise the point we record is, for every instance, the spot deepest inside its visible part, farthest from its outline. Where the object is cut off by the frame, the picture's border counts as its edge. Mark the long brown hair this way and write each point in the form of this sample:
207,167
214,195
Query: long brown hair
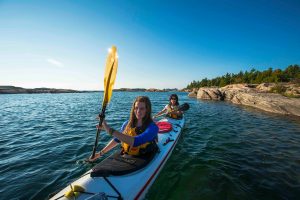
146,120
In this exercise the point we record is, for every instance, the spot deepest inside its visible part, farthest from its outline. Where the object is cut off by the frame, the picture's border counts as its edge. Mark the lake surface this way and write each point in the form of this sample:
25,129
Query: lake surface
225,151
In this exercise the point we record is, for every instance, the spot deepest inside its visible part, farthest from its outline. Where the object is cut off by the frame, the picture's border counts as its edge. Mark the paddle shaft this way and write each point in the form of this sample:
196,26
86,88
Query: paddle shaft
103,110
99,129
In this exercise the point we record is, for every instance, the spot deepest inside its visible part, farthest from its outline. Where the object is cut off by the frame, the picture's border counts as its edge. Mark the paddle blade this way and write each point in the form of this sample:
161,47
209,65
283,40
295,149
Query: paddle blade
110,74
184,107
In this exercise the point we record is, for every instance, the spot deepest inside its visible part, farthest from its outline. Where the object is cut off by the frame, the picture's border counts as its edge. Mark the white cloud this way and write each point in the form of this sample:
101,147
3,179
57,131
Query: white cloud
55,62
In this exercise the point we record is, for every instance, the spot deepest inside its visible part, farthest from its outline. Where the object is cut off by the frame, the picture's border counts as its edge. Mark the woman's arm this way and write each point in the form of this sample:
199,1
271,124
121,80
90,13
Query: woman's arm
148,135
109,146
106,149
123,137
161,112
120,136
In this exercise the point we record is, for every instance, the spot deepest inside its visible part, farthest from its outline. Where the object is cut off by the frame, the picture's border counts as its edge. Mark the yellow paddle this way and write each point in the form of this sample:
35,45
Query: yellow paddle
109,80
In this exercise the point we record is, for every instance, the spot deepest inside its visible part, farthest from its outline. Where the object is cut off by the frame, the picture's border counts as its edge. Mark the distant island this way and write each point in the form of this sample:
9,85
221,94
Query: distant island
20,90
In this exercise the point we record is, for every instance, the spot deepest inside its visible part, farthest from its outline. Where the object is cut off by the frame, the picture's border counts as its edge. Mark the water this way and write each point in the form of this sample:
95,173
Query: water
225,151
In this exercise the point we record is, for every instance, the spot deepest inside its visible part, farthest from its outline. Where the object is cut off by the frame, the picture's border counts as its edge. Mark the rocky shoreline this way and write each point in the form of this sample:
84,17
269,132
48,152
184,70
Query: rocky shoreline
254,95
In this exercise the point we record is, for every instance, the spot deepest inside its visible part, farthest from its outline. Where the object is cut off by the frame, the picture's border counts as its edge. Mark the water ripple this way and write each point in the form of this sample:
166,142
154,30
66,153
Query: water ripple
225,151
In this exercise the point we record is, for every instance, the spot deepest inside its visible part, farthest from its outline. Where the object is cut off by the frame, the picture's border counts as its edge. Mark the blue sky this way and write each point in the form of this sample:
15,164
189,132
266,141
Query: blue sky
161,44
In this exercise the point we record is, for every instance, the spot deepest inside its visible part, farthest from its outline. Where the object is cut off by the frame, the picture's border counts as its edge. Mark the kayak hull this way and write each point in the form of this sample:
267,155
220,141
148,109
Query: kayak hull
133,185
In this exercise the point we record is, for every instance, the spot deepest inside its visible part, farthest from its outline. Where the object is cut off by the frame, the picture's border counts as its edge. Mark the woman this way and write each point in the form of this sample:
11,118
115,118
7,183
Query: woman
137,135
171,109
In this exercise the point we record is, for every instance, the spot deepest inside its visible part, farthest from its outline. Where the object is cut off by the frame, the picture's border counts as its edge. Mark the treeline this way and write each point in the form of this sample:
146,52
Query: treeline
290,74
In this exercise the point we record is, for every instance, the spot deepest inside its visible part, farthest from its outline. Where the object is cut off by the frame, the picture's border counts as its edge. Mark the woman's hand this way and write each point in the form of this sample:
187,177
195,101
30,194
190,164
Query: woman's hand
97,155
104,126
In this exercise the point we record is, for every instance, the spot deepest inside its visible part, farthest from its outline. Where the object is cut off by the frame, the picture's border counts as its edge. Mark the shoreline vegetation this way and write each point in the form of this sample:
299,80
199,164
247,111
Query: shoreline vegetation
290,74
20,90
276,91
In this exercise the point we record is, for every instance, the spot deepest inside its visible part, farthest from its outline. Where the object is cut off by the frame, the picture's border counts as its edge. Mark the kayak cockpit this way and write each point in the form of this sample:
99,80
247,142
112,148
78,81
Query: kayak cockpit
118,164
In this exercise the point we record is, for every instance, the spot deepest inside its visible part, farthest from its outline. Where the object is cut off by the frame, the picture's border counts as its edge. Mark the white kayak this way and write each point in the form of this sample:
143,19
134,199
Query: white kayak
129,186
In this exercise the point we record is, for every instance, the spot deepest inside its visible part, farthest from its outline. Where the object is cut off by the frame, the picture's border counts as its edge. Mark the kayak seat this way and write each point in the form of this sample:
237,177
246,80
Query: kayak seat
118,164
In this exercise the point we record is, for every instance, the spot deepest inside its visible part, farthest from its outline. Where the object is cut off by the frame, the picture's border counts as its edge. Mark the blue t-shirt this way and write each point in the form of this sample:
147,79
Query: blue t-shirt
149,135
